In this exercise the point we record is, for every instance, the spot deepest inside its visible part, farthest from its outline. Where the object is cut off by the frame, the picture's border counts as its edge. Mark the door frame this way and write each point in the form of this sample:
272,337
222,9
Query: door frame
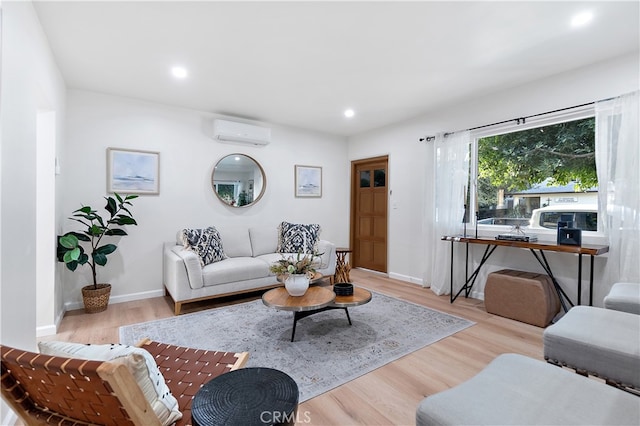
352,202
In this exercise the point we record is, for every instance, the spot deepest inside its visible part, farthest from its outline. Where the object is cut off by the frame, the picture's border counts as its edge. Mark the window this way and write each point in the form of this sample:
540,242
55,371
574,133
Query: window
365,179
227,191
533,176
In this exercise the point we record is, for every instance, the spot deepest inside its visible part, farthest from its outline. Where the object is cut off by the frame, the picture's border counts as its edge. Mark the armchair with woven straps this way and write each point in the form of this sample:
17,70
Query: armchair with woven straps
45,389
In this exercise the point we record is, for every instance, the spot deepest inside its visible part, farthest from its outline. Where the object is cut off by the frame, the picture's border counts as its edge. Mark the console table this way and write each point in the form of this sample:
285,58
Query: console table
537,249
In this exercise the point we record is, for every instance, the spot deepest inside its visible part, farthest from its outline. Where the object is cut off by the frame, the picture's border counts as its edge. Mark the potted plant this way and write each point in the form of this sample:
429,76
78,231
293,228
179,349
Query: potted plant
72,253
296,272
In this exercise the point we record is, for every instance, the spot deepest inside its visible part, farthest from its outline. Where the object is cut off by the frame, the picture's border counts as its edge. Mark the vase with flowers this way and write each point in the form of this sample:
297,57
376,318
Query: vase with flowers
296,271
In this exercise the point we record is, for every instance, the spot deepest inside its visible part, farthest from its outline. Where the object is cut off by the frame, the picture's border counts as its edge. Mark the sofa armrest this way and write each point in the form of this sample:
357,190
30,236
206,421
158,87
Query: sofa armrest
192,264
328,259
175,276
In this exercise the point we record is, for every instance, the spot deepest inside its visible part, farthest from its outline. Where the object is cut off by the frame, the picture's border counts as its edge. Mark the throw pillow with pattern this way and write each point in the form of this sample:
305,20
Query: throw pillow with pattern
207,244
298,238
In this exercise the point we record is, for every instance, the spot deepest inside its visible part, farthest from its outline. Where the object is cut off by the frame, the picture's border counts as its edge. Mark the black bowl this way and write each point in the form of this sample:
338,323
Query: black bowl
343,289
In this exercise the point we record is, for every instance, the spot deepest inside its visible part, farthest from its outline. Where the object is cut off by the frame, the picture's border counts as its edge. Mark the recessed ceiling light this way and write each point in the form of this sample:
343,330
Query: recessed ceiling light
582,18
349,113
179,72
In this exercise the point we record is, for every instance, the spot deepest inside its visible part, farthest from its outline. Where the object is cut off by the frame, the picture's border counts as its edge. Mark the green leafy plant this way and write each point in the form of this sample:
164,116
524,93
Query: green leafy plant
72,253
301,264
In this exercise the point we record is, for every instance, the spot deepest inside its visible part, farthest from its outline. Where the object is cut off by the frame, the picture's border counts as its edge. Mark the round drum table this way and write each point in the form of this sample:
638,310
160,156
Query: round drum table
248,396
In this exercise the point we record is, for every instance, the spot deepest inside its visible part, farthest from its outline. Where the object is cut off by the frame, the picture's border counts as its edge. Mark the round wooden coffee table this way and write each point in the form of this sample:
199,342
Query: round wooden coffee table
360,296
316,299
312,301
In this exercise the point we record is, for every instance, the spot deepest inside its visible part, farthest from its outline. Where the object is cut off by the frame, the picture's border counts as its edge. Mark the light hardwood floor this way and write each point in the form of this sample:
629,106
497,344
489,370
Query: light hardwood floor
386,396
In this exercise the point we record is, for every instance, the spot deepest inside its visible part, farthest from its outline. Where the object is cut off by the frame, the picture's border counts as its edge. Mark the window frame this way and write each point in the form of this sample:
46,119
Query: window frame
578,113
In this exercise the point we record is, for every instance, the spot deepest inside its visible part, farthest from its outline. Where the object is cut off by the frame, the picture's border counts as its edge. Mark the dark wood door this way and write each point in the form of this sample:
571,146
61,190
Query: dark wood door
369,199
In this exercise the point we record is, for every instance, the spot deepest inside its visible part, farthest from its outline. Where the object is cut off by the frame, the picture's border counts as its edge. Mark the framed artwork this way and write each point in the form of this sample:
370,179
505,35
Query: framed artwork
308,181
133,172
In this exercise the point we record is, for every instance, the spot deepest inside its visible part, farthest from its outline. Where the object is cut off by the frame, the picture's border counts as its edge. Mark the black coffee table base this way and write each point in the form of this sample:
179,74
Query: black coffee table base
248,396
298,315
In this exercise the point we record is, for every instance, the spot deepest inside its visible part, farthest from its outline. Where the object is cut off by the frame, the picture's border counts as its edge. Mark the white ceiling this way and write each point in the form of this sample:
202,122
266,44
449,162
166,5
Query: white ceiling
303,63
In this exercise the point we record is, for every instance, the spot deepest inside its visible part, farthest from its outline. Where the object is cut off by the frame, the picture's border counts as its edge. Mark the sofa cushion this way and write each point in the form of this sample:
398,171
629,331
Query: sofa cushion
517,390
141,364
624,297
236,241
298,238
602,342
234,269
206,243
273,258
264,240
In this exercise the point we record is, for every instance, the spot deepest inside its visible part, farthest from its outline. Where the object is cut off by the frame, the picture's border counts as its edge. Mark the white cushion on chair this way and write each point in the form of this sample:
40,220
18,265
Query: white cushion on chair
517,390
624,297
603,342
141,364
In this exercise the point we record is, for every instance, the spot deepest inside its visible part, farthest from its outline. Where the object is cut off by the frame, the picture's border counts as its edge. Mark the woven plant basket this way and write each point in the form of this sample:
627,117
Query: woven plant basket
96,300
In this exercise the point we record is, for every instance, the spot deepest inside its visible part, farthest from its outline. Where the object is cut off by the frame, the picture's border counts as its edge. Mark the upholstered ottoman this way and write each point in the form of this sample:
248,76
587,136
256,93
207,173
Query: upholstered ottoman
524,296
624,297
517,390
601,342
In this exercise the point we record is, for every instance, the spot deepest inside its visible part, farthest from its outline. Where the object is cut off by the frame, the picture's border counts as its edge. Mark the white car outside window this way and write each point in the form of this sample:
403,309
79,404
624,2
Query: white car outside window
581,216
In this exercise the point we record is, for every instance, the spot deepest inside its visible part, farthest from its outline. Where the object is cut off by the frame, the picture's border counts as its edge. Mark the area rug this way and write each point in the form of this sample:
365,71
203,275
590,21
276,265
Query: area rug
327,351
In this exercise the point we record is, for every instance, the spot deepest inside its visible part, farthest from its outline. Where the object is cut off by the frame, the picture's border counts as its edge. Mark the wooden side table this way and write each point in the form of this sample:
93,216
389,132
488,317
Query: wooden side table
342,266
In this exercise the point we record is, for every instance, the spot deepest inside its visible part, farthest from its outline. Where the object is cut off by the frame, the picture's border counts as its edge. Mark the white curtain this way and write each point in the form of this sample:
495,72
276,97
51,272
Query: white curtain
451,160
618,164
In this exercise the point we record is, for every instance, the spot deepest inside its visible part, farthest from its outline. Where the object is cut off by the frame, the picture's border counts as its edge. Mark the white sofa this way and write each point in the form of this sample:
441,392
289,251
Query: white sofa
250,252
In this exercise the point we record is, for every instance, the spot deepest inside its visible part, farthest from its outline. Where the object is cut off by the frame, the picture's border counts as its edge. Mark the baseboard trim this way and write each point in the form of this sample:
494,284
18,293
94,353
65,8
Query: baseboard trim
70,306
50,330
46,330
406,278
393,275
371,271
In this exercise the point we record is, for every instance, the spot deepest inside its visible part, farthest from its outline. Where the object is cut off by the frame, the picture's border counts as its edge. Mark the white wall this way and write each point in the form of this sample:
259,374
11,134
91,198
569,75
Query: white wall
31,82
187,157
47,302
411,163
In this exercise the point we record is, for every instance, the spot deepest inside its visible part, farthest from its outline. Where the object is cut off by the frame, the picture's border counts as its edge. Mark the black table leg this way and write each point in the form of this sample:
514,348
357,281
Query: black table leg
591,283
451,298
295,321
579,279
346,311
471,280
542,260
298,315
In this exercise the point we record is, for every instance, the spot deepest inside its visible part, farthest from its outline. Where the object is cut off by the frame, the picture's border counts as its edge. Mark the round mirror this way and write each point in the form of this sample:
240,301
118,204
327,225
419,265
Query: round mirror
238,180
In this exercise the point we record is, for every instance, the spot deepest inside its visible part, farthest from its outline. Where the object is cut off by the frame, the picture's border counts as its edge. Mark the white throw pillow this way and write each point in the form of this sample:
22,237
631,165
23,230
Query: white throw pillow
141,364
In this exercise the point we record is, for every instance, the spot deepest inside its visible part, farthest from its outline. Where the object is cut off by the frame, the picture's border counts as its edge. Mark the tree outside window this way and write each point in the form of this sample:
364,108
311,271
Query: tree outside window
524,170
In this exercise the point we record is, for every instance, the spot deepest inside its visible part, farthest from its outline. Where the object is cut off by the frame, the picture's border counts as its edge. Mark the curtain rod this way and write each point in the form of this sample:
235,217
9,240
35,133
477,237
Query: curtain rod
520,120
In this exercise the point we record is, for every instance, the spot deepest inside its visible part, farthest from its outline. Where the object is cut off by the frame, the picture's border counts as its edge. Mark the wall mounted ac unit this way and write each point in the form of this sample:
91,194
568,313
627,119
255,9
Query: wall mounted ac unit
234,132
